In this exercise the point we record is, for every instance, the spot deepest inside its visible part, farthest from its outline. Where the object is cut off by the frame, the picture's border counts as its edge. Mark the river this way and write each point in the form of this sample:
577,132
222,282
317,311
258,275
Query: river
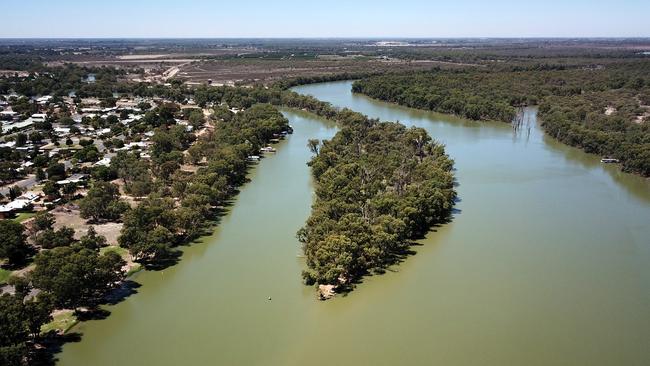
546,262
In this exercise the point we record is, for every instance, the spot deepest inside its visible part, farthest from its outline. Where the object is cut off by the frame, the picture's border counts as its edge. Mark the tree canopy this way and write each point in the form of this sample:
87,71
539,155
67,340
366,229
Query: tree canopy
601,109
13,244
378,187
76,276
102,202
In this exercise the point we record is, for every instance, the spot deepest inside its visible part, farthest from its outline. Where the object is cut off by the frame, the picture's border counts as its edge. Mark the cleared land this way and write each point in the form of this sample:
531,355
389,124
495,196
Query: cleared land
266,71
69,216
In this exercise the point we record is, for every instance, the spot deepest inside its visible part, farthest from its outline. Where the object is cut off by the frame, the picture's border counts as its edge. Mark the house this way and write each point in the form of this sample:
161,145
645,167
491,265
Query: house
74,178
91,110
20,204
39,117
5,212
30,196
126,104
106,161
61,131
103,131
90,101
6,127
8,115
131,145
44,99
132,118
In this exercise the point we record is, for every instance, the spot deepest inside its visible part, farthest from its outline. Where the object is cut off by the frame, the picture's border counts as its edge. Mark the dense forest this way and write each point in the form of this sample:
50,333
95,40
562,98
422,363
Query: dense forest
601,109
379,185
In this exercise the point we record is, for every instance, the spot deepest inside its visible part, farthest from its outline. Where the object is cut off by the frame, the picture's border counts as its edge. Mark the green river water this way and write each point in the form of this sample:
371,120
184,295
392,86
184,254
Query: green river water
546,262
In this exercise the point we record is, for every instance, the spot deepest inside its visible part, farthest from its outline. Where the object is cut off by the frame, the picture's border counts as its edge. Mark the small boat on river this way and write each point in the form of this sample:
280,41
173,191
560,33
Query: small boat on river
609,160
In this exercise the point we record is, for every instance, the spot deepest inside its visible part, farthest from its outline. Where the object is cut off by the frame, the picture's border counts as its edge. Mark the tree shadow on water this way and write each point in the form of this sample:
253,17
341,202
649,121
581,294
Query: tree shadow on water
50,345
118,295
400,255
172,258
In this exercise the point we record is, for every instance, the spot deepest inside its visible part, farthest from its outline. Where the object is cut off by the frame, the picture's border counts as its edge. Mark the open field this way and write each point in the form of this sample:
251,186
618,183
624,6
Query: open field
268,70
243,61
69,216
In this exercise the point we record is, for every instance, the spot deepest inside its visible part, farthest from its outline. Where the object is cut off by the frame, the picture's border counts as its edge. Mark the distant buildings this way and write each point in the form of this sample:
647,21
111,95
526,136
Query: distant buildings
17,126
20,204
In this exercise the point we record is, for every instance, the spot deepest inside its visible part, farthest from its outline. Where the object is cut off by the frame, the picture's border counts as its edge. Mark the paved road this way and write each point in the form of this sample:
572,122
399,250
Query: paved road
26,183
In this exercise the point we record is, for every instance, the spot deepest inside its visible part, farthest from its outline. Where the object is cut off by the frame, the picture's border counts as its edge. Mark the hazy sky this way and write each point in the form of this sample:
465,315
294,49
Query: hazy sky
331,18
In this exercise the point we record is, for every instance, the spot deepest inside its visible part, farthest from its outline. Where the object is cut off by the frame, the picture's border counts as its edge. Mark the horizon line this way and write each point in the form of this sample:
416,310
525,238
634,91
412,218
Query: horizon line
324,37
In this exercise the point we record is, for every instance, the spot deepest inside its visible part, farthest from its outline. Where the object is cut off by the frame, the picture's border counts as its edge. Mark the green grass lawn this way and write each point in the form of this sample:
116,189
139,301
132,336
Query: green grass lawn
24,216
137,268
62,322
123,252
4,276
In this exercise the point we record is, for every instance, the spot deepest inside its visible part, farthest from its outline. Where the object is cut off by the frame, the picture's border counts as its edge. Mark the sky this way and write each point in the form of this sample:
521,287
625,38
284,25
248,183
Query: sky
323,19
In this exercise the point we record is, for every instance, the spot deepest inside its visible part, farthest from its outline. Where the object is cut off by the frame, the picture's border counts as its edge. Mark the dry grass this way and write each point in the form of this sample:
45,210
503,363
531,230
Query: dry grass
246,70
69,216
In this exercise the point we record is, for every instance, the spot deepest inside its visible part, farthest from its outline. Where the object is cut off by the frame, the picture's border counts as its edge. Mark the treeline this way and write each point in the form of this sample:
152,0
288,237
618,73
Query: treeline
174,206
579,121
305,80
180,204
70,274
601,109
469,94
378,187
61,81
18,62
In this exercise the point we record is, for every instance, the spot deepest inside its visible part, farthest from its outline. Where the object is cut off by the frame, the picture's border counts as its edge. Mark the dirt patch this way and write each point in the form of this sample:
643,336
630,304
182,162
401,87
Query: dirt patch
70,216
189,168
326,292
132,201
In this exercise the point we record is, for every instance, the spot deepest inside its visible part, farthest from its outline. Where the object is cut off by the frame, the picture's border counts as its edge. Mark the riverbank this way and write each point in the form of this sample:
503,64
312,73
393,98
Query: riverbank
378,186
575,104
513,275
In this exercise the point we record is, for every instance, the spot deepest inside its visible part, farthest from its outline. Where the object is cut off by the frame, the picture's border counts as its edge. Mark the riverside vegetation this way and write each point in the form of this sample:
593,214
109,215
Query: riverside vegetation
379,185
602,109
404,178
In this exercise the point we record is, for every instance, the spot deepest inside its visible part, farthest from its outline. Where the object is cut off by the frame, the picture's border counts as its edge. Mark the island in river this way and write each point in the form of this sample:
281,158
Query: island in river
546,259
379,186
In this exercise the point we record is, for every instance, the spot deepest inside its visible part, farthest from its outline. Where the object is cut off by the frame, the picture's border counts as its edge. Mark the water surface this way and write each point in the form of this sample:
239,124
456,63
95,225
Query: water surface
547,262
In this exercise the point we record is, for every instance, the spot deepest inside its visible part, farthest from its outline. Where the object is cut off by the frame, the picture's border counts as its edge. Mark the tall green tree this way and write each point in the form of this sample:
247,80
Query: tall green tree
77,276
13,245
102,202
